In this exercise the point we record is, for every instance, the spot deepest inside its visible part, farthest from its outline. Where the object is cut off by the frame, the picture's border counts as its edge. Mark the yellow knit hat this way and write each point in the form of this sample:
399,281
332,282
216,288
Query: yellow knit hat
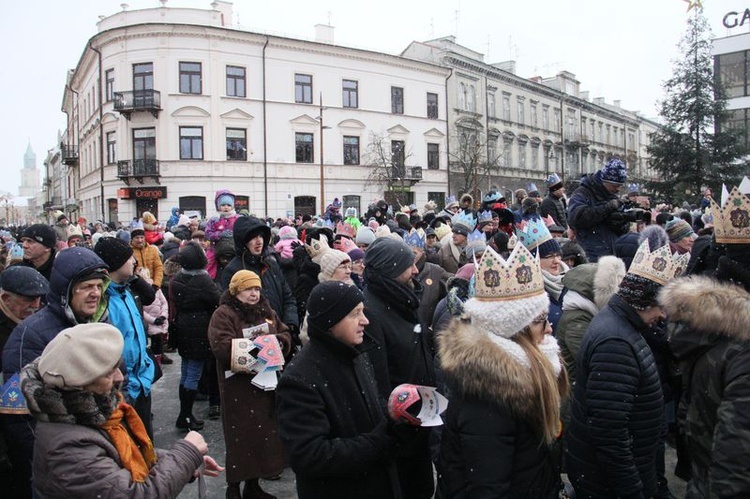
242,280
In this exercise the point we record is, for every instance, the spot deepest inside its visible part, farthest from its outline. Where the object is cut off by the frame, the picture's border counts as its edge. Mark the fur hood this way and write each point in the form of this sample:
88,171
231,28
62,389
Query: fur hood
709,306
596,282
481,369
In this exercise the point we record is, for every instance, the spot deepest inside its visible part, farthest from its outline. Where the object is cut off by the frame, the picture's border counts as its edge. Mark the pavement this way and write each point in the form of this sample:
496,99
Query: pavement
166,407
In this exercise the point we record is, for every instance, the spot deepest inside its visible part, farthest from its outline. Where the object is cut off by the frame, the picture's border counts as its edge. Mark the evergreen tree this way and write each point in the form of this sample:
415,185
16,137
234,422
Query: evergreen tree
696,147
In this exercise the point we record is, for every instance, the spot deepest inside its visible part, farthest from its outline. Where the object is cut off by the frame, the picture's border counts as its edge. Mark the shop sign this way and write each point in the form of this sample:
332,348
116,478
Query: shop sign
159,192
736,19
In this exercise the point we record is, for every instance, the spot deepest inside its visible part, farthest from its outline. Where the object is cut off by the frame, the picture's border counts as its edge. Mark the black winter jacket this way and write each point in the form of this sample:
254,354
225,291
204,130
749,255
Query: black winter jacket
193,297
616,408
556,208
333,424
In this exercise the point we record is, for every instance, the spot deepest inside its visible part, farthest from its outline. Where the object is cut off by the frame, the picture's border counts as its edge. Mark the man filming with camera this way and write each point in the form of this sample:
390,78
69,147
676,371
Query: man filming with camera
596,213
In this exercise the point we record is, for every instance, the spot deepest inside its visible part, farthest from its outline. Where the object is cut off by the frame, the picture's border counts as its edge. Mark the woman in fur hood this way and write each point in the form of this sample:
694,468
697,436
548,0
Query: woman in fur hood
506,381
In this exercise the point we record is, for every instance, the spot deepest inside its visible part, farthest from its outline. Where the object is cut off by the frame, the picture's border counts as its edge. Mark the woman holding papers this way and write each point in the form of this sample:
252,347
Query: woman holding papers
331,419
248,412
506,381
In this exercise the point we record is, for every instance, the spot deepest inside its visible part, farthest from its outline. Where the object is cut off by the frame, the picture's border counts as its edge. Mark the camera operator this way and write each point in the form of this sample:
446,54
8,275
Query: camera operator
595,212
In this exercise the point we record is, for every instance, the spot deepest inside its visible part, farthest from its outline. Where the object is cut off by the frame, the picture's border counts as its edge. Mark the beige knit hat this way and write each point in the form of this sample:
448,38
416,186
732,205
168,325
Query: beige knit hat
80,355
242,280
329,262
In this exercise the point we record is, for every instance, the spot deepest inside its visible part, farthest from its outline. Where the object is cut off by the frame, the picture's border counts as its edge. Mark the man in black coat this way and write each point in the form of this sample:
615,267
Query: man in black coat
617,405
400,347
555,204
251,239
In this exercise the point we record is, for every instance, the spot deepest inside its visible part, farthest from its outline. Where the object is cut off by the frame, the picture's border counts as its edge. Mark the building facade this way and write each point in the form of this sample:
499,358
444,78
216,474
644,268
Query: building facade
731,58
167,105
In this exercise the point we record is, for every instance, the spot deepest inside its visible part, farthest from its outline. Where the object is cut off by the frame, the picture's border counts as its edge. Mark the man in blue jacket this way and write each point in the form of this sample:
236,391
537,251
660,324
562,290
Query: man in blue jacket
125,315
77,280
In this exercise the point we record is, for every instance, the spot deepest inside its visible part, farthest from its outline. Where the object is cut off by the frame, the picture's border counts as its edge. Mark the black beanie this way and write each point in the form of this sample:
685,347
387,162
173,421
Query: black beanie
331,301
639,292
192,256
388,256
114,251
41,233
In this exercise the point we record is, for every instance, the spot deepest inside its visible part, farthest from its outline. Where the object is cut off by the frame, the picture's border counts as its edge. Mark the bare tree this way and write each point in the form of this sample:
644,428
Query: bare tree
386,160
473,158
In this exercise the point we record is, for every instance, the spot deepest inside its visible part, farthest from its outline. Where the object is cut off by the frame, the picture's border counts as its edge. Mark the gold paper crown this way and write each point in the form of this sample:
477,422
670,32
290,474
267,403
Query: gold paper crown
732,218
660,265
317,247
497,279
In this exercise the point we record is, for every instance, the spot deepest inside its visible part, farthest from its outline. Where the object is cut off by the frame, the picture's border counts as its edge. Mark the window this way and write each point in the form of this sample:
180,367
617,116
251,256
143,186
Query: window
190,77
350,93
593,131
432,106
109,85
237,144
545,117
397,100
144,149
398,158
608,137
732,71
534,156
303,89
438,198
506,152
506,107
521,112
522,155
491,105
557,120
303,147
461,96
191,142
532,113
471,102
491,152
236,81
111,143
351,150
572,125
433,156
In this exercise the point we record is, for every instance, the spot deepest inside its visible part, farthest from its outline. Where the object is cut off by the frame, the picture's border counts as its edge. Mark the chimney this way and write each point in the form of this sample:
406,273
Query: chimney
225,8
536,79
324,33
584,95
124,6
616,103
599,101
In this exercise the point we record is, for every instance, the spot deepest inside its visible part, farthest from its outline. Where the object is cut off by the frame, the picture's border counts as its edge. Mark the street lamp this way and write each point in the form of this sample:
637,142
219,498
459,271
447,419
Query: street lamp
322,171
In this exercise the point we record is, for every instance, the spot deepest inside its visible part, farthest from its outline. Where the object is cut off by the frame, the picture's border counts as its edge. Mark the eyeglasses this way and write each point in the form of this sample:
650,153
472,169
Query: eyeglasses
346,265
541,320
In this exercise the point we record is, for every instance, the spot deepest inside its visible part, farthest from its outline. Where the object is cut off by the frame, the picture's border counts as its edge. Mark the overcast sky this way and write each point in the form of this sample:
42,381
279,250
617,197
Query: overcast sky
619,50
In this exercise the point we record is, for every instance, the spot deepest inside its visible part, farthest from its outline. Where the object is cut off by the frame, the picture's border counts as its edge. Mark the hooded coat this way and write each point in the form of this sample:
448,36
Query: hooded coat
590,286
148,257
590,211
489,448
275,288
712,344
193,298
617,408
249,413
333,423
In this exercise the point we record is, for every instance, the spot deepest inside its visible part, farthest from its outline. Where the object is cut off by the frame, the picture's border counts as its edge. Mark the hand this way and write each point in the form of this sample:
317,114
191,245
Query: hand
196,439
159,320
156,288
210,467
613,204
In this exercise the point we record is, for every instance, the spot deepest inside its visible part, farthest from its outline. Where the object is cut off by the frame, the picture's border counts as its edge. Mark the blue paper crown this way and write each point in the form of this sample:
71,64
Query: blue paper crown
415,239
634,187
476,237
492,196
533,233
485,216
531,187
12,400
553,179
464,218
450,199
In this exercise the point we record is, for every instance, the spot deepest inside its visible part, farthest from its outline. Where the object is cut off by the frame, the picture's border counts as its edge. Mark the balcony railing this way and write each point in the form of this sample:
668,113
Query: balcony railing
138,100
69,154
137,169
405,173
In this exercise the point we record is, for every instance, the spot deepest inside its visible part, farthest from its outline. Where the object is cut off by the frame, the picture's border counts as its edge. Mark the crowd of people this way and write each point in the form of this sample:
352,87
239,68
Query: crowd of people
573,335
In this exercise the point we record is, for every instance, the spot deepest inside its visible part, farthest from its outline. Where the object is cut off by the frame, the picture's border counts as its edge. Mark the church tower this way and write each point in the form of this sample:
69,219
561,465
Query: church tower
29,175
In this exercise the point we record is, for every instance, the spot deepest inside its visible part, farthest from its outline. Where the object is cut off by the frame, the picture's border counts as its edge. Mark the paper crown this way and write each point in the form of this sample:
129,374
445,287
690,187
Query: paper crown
450,200
492,197
485,216
415,238
531,188
464,218
553,179
532,232
12,400
317,247
732,219
660,265
346,229
497,279
633,187
344,244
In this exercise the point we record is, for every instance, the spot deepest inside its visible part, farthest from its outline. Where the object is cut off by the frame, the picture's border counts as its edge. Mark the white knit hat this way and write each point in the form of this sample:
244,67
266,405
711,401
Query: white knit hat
329,262
80,355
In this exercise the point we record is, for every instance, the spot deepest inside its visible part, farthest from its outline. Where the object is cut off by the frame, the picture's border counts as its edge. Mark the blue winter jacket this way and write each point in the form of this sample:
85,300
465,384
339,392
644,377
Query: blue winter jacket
125,316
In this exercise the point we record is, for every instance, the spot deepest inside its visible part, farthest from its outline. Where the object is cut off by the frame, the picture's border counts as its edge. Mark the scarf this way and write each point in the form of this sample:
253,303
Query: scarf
549,348
553,283
228,214
134,447
404,299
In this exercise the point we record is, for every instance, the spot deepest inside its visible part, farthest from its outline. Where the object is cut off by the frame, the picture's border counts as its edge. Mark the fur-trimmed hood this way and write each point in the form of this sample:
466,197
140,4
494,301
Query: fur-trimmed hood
596,281
707,305
479,368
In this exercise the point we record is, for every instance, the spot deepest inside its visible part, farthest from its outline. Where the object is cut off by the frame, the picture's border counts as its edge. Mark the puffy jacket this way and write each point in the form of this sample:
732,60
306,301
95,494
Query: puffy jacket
159,308
149,257
590,213
556,208
617,408
193,297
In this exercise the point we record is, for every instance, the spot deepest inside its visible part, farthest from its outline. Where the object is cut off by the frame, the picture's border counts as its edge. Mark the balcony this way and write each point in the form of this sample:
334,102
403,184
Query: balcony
127,103
69,155
401,176
138,169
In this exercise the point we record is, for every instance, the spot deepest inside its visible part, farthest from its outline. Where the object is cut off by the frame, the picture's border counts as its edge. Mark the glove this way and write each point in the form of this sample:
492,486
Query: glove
613,204
159,320
156,287
296,244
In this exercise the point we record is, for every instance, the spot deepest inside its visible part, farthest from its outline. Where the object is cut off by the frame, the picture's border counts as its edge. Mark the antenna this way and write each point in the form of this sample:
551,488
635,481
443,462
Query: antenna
432,27
488,48
456,12
329,18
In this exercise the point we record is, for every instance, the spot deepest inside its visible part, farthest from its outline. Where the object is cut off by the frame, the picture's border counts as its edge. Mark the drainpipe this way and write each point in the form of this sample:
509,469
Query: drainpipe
265,136
101,133
447,131
76,137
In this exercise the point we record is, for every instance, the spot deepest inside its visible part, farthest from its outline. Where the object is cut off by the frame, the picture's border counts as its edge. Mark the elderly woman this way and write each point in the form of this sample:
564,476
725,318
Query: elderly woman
249,414
335,265
336,452
89,442
506,382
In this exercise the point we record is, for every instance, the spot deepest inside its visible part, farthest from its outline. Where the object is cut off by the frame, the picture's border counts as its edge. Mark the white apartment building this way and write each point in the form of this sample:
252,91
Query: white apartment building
731,56
168,105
